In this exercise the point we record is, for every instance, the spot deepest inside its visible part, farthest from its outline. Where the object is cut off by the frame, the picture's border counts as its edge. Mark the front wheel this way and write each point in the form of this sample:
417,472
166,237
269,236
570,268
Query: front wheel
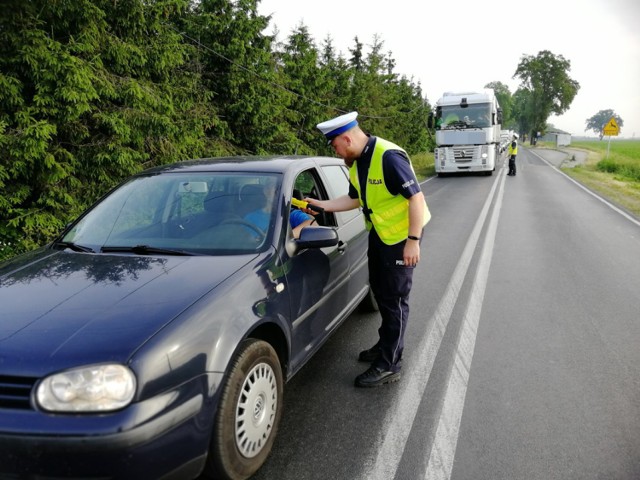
248,414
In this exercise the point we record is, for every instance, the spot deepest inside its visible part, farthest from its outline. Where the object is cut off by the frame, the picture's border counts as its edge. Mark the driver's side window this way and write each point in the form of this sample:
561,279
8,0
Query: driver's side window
307,185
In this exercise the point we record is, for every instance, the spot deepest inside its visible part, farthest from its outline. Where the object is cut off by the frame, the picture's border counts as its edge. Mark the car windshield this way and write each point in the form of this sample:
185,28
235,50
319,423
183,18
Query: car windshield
181,214
471,116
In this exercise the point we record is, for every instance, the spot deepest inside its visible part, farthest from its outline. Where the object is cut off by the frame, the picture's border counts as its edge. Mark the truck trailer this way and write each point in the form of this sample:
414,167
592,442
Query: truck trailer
467,126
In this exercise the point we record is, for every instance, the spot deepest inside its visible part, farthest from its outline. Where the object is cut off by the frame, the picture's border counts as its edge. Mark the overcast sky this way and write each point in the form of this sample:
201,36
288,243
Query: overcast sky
465,44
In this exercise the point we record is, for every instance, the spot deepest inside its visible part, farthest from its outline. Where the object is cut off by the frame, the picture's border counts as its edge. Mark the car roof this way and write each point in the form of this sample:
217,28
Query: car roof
265,163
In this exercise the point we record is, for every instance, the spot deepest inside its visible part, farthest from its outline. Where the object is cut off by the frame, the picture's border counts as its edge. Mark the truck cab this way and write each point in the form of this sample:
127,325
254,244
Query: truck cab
467,126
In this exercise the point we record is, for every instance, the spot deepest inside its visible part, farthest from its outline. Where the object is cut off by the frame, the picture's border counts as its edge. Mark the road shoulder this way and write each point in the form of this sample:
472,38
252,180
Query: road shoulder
564,157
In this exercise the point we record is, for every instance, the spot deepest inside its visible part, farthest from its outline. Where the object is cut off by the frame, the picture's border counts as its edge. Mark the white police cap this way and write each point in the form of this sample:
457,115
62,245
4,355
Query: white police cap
336,126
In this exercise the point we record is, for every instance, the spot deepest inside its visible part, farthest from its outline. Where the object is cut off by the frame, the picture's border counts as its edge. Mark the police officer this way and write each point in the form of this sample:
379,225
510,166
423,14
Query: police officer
383,183
513,151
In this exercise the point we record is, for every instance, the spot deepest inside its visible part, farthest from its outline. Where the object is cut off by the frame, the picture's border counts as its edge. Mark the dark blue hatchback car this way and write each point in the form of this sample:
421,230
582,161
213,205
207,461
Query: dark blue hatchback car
152,339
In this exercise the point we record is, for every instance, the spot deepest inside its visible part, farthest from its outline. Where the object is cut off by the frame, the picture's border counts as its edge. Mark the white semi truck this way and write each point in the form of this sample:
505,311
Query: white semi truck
467,128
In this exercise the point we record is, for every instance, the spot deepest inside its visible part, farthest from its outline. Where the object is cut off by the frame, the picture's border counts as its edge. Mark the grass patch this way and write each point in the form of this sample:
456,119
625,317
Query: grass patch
424,165
625,168
615,176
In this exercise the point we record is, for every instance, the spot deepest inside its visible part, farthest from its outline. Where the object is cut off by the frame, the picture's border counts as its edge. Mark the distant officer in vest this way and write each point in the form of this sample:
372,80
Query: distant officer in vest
384,184
513,151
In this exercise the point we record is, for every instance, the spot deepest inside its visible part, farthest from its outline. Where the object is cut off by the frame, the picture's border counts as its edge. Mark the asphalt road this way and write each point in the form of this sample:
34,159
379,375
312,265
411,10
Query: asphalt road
522,355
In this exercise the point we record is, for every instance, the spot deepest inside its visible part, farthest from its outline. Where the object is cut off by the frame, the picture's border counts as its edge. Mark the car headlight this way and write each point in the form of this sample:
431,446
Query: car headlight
95,388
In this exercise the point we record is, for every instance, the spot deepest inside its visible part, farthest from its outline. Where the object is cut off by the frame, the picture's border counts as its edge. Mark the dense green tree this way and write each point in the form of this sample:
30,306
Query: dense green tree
394,103
550,89
357,55
390,106
504,100
371,89
236,59
309,86
597,122
410,121
337,76
357,93
520,111
90,92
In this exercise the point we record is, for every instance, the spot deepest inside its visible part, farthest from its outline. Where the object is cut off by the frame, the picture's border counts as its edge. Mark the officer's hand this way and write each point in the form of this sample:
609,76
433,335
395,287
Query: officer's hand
411,253
312,201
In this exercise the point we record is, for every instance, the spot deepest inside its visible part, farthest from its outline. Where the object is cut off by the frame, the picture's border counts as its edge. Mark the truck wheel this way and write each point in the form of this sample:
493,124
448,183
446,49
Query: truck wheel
248,413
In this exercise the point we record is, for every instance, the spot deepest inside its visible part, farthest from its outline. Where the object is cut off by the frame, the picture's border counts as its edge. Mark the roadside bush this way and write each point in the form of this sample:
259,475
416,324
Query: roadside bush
608,166
423,165
629,169
7,251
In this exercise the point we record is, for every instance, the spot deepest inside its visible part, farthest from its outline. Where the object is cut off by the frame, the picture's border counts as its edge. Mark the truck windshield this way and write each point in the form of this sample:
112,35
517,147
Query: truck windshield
456,117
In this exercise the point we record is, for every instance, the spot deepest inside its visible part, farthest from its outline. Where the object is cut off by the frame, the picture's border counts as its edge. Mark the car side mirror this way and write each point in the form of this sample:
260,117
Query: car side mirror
316,237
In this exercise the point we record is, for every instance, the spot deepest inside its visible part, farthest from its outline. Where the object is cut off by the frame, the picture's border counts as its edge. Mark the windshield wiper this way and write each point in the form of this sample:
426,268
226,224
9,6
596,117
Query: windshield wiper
145,250
75,247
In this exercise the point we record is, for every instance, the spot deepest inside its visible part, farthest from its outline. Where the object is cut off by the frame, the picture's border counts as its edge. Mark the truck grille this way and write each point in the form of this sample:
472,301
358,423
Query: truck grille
465,154
15,392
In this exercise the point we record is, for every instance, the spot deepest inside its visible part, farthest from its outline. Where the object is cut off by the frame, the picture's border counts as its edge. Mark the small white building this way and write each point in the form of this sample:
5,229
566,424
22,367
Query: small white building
560,138
563,139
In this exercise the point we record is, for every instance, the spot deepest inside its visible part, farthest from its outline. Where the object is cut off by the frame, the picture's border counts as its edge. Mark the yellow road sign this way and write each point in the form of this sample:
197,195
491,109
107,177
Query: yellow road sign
611,128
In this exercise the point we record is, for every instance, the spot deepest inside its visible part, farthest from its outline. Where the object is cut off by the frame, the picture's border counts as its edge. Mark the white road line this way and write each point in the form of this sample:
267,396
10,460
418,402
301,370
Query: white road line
443,451
608,204
399,419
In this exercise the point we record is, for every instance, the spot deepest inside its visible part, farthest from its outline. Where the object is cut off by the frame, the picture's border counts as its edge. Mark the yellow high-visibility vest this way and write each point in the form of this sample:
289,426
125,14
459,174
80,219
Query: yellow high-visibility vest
389,213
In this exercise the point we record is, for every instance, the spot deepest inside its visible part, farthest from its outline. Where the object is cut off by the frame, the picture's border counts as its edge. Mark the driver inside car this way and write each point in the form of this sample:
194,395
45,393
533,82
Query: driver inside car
263,197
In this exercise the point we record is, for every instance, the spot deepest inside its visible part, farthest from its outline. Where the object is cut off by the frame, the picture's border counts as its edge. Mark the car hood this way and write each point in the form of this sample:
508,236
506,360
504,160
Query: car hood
60,309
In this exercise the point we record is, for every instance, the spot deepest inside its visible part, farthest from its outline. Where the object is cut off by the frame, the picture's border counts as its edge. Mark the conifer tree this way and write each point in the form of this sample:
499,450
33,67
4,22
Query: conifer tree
90,92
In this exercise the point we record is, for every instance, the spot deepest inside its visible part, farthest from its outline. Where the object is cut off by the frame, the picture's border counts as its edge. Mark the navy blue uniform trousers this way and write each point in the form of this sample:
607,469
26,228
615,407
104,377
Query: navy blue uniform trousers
512,165
391,284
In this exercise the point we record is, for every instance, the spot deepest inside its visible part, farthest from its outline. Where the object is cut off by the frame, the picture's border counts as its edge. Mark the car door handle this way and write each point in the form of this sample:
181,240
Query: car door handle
342,246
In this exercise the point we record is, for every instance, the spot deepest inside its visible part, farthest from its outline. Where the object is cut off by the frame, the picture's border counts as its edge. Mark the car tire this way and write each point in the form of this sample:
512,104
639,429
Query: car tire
248,414
369,303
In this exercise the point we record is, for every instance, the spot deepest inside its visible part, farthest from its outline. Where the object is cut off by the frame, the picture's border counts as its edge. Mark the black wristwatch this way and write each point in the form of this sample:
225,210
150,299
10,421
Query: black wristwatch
413,237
